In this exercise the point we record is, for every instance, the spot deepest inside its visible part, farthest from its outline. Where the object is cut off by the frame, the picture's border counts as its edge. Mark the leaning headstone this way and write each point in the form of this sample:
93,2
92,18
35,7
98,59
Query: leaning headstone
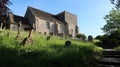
8,34
68,43
48,37
1,26
28,40
1,34
90,38
18,37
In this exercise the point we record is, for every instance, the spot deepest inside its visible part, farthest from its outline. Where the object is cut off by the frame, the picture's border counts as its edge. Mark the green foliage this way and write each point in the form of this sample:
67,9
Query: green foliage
112,29
81,36
45,53
116,3
4,10
111,40
113,22
117,48
99,37
114,35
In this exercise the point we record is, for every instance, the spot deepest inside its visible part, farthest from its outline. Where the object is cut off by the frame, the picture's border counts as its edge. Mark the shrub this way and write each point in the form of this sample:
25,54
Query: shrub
81,36
99,37
111,40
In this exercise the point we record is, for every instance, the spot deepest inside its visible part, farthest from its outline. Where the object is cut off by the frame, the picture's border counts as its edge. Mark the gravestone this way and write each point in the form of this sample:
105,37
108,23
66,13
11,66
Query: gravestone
51,34
1,26
1,34
18,37
90,38
8,34
28,40
67,43
48,37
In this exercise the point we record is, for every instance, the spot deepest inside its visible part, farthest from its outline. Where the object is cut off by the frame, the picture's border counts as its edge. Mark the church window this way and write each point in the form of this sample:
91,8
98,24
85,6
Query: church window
48,25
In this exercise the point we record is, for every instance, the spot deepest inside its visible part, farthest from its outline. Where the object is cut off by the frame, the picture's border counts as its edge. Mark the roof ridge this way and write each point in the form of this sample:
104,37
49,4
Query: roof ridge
42,14
40,10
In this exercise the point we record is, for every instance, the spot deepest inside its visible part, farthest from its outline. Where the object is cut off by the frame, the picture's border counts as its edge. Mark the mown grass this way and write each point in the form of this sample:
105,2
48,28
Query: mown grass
45,53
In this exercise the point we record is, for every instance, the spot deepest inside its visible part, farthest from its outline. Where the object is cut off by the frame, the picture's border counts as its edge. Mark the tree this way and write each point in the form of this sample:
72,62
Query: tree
4,10
116,3
112,29
114,35
99,37
113,22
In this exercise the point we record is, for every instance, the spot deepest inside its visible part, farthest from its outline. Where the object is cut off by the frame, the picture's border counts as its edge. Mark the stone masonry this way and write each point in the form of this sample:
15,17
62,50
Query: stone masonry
46,23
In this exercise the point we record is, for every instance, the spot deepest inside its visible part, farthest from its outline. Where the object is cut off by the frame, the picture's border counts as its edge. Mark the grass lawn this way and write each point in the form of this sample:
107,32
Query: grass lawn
45,53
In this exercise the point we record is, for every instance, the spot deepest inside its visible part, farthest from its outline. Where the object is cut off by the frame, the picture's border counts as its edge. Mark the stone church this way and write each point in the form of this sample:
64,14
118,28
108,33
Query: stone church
64,23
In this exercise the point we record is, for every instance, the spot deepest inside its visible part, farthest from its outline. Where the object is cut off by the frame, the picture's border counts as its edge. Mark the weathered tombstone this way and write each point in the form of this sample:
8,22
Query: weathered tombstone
8,34
18,37
90,38
68,43
1,26
51,33
1,29
28,40
48,37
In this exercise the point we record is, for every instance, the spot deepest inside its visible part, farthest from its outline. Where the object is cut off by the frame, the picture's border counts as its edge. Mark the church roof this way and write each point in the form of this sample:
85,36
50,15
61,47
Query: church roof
44,15
15,19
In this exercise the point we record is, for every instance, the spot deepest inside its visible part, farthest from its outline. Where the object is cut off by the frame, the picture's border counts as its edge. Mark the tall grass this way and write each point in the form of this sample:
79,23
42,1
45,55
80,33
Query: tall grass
45,53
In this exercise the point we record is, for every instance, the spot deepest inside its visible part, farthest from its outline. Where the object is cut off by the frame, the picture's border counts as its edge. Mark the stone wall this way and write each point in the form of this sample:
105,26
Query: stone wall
42,26
60,28
71,19
15,27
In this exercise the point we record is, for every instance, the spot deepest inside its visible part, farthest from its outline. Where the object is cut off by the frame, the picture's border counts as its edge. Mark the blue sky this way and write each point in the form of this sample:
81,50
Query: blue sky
90,13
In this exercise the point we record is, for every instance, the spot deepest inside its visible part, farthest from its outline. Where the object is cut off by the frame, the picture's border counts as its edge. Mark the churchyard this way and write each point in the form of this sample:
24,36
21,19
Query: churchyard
45,51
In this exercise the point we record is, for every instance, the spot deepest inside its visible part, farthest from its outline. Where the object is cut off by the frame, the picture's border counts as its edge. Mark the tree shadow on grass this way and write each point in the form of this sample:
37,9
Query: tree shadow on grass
54,56
73,56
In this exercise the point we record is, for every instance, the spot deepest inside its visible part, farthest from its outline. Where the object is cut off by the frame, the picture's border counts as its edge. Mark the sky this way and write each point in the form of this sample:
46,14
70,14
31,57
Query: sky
89,13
